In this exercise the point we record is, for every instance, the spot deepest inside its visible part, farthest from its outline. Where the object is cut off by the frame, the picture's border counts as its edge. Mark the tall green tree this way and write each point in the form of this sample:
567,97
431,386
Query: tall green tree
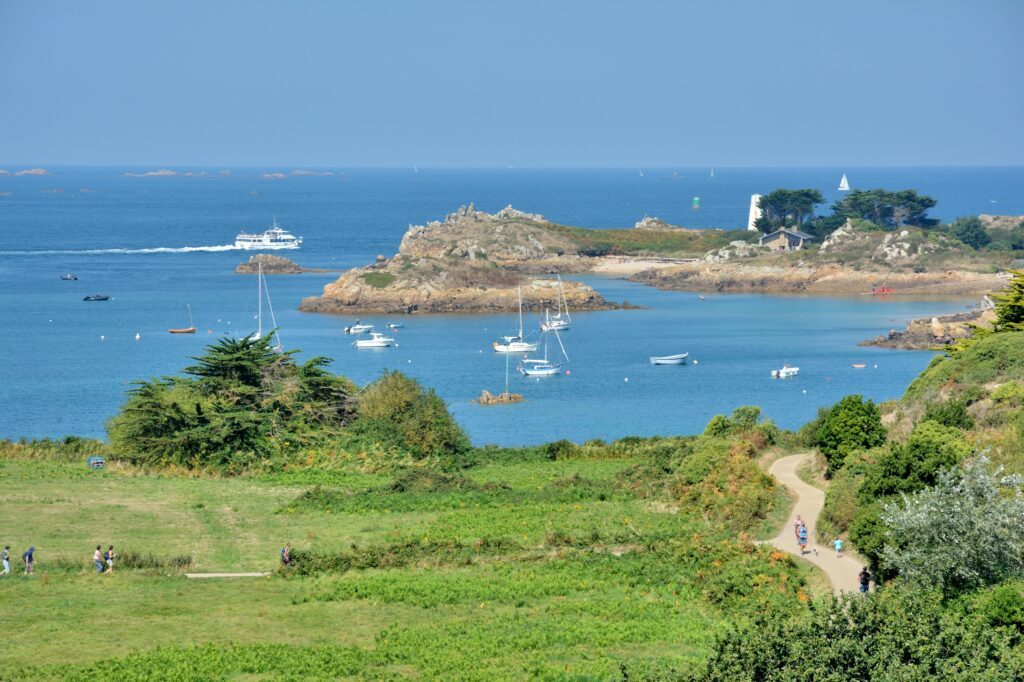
1010,304
885,208
787,208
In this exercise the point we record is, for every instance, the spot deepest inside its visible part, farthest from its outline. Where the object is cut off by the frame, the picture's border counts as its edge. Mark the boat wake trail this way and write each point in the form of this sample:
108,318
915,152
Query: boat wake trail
89,252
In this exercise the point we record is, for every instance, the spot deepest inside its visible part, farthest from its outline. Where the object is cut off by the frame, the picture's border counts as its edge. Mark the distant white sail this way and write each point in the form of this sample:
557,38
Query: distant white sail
844,185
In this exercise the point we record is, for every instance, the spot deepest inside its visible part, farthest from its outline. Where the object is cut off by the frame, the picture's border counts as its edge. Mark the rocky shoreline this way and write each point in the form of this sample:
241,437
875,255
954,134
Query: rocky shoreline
829,280
475,262
935,332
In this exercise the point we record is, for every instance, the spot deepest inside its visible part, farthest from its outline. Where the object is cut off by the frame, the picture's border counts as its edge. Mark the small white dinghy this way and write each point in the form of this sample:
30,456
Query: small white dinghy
376,340
679,359
785,372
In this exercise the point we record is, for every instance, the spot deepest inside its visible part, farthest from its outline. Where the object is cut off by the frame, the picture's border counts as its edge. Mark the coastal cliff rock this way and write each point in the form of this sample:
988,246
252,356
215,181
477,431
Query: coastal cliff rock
509,238
272,265
471,261
929,333
361,291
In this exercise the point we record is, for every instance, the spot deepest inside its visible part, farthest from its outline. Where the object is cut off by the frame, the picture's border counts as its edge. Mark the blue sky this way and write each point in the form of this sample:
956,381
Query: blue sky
523,83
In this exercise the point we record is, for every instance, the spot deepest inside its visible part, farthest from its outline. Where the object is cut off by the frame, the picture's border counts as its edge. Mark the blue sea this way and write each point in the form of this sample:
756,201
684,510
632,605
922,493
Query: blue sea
155,244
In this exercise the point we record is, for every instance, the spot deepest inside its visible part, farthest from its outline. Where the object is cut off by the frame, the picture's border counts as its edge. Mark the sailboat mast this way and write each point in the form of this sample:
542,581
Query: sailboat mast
259,299
189,306
520,313
565,301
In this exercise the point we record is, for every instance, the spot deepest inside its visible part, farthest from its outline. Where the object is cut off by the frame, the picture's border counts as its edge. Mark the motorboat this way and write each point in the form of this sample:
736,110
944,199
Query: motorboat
859,365
515,344
559,321
785,372
274,238
358,328
395,325
376,340
96,297
69,277
679,359
190,329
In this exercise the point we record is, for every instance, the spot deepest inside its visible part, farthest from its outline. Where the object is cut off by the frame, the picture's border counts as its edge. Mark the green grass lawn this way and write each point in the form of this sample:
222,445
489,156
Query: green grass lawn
586,577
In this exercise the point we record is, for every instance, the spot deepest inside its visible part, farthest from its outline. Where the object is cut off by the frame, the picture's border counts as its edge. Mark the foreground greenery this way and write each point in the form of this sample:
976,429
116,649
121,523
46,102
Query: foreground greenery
417,555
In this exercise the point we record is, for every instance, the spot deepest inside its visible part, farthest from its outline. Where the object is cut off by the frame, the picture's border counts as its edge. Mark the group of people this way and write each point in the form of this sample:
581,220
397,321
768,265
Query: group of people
28,557
801,532
103,561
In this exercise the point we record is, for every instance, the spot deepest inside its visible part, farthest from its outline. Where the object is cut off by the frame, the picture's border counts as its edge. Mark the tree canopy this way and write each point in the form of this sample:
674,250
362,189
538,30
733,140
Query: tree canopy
885,208
244,404
971,232
787,208
851,424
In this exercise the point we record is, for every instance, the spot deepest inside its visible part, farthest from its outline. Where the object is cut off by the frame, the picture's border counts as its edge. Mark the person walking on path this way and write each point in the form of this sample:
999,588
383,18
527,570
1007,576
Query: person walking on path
801,535
109,558
865,579
796,528
286,555
838,544
30,561
97,559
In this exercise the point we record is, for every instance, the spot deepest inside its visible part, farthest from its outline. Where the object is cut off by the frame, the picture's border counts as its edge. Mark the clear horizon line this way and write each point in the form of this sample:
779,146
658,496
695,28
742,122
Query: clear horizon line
5,165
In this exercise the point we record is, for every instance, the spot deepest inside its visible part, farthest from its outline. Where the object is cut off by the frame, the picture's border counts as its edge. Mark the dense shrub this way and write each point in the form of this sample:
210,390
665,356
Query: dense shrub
397,415
914,465
952,412
964,532
851,424
744,422
891,635
719,479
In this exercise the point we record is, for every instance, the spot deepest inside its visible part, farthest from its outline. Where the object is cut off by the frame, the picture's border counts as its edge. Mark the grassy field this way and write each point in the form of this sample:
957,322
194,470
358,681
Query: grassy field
557,569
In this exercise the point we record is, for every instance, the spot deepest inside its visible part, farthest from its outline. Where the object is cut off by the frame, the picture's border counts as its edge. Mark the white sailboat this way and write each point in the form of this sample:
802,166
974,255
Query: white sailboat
261,290
557,322
515,344
844,184
543,368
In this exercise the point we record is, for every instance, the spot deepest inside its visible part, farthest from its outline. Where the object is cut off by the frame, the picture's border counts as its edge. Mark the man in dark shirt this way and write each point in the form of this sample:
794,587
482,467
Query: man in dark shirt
865,579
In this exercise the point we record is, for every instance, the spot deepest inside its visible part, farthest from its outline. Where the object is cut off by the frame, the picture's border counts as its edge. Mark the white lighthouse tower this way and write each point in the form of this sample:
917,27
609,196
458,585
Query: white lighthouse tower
755,212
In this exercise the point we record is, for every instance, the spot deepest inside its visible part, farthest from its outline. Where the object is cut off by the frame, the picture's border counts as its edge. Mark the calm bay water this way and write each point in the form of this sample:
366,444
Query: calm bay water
69,362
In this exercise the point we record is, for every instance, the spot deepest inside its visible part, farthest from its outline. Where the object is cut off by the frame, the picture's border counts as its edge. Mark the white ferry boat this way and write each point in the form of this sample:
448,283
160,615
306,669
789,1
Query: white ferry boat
274,238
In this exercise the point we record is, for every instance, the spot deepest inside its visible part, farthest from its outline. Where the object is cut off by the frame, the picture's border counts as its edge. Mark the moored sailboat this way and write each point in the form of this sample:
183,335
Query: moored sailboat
558,321
844,184
190,329
515,344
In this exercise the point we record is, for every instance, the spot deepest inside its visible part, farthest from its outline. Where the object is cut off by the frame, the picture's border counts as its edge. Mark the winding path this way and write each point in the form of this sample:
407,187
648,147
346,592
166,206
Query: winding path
841,572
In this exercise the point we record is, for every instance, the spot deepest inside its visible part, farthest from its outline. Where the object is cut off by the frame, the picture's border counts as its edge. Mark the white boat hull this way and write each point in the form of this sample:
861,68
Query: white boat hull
555,325
785,372
541,370
669,359
359,329
260,246
515,347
